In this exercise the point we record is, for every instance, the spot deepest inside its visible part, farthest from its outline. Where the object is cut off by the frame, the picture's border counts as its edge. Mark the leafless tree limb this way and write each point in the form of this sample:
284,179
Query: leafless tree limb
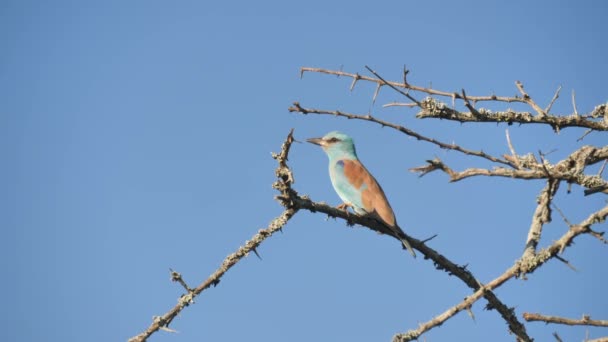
555,97
296,107
585,320
601,339
285,177
570,170
542,215
429,91
521,267
529,100
431,108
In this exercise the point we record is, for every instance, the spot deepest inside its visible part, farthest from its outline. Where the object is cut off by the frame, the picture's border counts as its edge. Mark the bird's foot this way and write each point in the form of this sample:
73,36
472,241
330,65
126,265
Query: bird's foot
345,206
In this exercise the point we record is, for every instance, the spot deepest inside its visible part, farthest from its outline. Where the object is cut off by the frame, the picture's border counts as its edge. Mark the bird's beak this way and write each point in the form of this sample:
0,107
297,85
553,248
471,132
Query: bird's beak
316,141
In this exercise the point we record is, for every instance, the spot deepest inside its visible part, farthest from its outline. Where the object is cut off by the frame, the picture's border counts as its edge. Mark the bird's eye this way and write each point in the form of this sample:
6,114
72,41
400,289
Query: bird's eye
333,140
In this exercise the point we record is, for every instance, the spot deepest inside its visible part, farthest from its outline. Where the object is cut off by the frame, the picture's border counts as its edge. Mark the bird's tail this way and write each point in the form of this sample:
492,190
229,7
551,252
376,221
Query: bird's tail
404,242
406,245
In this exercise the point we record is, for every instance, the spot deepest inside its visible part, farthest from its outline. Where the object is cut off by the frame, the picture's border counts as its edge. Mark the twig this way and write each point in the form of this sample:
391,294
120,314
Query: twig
529,100
555,96
561,213
585,320
515,157
584,135
467,104
177,277
410,97
574,103
399,104
601,170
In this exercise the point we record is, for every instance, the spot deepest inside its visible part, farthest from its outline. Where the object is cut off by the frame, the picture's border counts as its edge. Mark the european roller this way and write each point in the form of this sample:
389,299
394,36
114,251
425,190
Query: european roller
356,187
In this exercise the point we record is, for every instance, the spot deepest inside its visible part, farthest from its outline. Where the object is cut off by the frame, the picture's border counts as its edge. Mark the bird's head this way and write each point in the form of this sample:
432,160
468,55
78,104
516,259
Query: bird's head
336,145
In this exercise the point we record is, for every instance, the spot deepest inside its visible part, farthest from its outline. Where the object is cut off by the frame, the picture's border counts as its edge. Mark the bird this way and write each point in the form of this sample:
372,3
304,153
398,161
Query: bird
355,185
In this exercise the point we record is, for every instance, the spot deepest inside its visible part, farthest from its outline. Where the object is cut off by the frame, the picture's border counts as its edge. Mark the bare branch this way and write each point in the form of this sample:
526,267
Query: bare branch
399,104
584,135
570,169
508,116
410,97
574,103
440,262
555,96
413,87
529,100
601,339
542,215
468,104
298,108
520,268
585,320
177,277
285,179
513,154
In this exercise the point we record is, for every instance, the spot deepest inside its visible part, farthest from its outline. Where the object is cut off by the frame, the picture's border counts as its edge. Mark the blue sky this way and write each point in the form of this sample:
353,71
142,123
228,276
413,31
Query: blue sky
136,137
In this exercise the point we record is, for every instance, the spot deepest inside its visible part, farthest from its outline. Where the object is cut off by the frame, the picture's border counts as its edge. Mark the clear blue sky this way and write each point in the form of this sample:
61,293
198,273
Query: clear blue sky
136,137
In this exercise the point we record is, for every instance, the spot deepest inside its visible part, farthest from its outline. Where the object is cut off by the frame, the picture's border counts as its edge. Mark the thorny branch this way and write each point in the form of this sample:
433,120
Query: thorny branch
597,119
585,320
285,178
290,198
296,107
569,170
521,267
522,167
542,215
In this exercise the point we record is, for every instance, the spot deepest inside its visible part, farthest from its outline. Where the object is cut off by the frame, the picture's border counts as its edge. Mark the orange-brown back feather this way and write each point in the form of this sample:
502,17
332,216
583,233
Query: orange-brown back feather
373,197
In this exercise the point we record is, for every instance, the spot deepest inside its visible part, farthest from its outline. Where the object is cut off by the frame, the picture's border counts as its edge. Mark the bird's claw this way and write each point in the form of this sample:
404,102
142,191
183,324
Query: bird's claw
344,206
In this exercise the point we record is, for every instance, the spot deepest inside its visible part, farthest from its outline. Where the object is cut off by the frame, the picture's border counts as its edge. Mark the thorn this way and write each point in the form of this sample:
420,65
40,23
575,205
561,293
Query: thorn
256,253
471,314
376,92
429,239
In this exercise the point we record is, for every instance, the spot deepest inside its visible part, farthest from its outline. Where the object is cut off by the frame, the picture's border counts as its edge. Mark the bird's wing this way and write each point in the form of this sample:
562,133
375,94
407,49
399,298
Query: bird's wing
372,197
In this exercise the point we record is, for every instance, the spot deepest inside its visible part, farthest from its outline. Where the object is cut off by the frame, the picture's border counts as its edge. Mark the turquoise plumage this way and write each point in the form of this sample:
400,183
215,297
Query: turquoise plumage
355,185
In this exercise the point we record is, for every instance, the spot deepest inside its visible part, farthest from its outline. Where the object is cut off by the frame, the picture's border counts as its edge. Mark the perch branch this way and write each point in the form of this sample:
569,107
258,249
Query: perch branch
520,268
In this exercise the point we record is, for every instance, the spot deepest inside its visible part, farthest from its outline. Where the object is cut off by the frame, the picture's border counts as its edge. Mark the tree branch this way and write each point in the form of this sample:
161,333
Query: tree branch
557,122
299,109
571,169
285,178
520,268
585,320
542,215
